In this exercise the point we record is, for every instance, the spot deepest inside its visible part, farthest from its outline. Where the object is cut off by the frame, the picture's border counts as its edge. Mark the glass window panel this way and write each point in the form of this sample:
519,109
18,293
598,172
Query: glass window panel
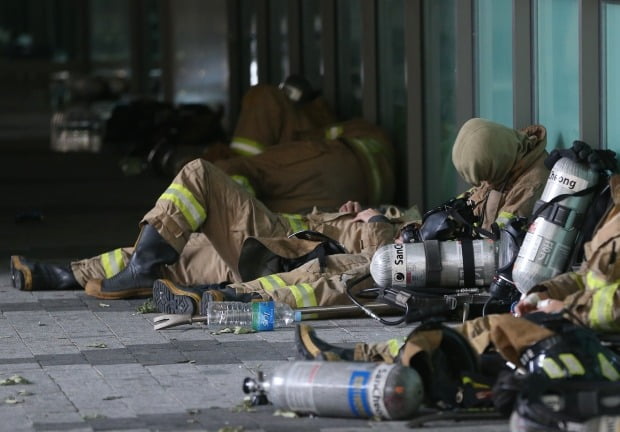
439,100
200,55
278,44
312,27
349,89
557,70
248,46
110,38
391,79
153,47
611,79
493,56
31,29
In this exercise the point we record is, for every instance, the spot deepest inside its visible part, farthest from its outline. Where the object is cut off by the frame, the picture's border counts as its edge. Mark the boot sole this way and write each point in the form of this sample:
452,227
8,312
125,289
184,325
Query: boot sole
306,348
172,300
93,289
20,274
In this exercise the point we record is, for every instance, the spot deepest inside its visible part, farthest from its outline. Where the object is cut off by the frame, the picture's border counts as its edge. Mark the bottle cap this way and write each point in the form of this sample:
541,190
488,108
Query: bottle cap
297,316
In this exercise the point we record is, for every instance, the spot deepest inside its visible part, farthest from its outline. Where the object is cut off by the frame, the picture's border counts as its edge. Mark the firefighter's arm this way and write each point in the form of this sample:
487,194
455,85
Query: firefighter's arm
598,308
549,295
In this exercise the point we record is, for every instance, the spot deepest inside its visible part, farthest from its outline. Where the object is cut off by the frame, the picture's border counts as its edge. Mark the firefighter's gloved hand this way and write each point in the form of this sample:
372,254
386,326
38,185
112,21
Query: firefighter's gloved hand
580,152
603,160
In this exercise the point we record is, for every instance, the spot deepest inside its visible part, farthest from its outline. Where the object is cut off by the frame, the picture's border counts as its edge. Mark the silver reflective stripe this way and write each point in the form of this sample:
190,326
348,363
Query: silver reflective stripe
246,147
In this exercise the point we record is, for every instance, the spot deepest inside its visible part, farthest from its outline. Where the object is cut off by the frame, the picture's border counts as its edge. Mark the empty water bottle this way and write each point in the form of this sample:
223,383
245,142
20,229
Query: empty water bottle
260,316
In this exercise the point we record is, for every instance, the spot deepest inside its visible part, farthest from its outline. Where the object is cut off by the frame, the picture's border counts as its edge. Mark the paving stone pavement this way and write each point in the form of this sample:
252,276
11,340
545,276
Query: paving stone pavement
97,365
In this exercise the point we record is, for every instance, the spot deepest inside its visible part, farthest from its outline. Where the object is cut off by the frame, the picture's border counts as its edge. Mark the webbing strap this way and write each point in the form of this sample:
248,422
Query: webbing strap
469,266
560,215
433,262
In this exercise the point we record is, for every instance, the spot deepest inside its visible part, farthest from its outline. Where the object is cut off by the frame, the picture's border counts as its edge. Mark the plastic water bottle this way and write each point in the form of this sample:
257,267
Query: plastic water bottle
260,316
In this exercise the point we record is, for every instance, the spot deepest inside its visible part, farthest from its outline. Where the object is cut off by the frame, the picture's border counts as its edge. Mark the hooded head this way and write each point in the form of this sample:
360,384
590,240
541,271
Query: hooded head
487,151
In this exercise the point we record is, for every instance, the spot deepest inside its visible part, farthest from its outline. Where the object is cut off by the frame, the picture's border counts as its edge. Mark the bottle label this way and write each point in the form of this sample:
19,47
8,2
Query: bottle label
263,316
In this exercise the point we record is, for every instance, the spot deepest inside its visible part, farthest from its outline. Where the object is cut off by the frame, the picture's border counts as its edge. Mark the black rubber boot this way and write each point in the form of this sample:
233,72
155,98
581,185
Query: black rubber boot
144,268
172,298
310,347
34,276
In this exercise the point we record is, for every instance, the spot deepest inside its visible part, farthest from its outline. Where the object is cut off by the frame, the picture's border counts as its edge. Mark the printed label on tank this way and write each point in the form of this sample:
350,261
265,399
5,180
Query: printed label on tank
377,390
357,393
399,269
568,181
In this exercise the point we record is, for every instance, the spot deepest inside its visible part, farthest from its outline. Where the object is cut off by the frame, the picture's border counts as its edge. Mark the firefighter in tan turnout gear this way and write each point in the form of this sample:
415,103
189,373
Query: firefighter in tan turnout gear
206,229
301,156
549,338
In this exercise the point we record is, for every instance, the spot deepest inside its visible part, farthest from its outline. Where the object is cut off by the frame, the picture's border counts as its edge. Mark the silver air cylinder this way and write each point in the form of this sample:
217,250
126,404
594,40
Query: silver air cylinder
550,239
435,264
342,389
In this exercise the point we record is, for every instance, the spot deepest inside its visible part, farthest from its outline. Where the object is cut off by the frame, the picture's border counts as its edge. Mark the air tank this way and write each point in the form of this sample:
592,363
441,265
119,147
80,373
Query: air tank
342,389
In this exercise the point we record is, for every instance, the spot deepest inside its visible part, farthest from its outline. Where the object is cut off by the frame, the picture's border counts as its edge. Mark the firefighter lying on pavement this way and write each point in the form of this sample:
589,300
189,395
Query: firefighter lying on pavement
549,335
206,229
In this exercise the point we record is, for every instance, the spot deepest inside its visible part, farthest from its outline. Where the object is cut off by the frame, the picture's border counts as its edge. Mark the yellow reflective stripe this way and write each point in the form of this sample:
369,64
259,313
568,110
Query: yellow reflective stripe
394,346
601,313
304,295
552,368
271,282
295,221
189,206
333,132
366,147
503,218
572,363
475,384
112,262
594,282
244,182
607,369
246,146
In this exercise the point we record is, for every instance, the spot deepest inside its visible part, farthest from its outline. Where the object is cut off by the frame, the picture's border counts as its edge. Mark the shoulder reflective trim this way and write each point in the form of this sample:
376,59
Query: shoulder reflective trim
503,218
112,262
572,363
394,346
244,182
246,147
296,221
367,147
304,295
193,212
552,368
601,313
593,281
607,369
271,283
333,132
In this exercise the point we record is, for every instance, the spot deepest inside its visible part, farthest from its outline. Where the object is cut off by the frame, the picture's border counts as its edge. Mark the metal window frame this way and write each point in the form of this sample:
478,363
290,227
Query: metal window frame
415,96
522,64
370,85
464,62
590,125
296,60
329,49
263,49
